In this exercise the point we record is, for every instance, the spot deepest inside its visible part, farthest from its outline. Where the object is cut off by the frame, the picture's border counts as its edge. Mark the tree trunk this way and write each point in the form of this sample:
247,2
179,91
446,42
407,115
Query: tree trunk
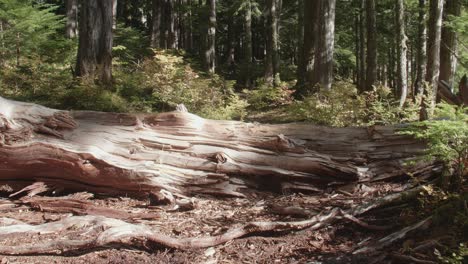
448,45
231,44
272,43
270,38
276,42
114,14
181,22
248,44
94,59
171,25
124,11
2,44
371,71
188,32
357,75
18,49
210,52
72,19
163,26
422,48
362,47
311,26
184,154
433,59
325,45
202,29
156,23
402,49
300,46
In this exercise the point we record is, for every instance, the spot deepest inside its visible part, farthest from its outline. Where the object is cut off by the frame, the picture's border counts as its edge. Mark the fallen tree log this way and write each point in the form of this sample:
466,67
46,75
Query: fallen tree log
446,93
135,154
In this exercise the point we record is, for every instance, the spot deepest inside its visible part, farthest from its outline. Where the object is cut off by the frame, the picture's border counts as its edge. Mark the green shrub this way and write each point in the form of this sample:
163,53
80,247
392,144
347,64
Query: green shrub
447,139
158,83
383,109
341,106
39,83
90,97
266,96
457,257
166,80
33,27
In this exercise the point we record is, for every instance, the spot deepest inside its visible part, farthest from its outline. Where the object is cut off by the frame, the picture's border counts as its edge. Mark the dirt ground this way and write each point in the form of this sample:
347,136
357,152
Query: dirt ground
212,216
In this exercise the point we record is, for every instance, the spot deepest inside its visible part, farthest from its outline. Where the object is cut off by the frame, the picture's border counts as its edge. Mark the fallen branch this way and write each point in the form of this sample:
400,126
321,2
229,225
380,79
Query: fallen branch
411,259
364,224
390,239
81,207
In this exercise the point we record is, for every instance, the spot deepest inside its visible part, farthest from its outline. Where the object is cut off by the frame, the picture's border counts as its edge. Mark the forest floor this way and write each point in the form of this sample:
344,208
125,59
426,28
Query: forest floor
210,216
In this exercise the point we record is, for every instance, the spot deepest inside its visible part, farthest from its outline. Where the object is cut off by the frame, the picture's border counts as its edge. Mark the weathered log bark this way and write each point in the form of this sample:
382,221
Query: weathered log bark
182,153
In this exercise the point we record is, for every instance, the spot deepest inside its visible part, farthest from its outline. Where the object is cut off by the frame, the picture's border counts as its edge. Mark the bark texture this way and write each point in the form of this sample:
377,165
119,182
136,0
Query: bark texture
402,52
156,23
325,45
248,43
271,59
362,47
184,154
434,37
300,47
422,48
448,45
371,59
72,19
210,52
94,57
311,26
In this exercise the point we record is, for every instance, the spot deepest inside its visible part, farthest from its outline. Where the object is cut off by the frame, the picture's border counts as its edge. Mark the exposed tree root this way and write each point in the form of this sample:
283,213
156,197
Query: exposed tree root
120,233
99,231
411,259
364,224
104,231
393,237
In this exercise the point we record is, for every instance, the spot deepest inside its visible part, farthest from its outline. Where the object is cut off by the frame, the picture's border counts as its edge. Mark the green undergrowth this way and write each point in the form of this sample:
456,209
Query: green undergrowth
159,82
447,141
446,199
449,224
342,106
154,84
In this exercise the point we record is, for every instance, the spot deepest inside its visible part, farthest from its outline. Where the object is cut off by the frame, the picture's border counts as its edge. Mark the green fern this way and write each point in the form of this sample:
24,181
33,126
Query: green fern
446,137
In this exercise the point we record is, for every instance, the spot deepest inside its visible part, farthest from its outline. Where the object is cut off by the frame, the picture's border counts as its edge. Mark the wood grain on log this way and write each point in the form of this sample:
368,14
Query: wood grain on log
182,153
